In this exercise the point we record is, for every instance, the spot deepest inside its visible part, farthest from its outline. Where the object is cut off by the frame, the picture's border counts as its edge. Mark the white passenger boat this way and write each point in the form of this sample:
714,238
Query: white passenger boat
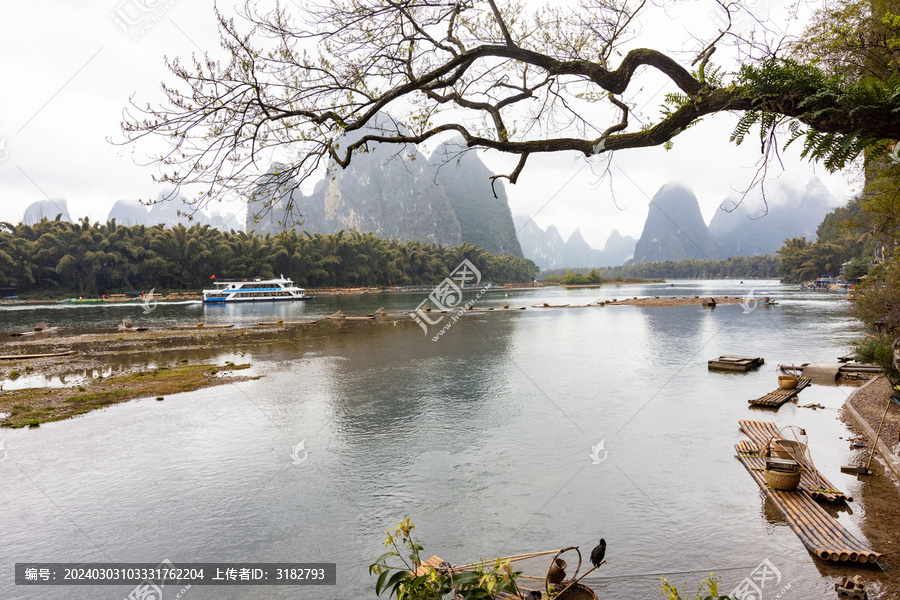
254,290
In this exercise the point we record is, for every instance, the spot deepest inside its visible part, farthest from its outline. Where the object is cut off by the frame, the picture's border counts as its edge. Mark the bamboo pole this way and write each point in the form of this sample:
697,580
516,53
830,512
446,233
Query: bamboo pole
878,435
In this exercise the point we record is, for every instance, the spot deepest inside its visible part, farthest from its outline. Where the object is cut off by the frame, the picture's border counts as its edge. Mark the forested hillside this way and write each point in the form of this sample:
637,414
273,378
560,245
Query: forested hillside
841,237
754,267
57,257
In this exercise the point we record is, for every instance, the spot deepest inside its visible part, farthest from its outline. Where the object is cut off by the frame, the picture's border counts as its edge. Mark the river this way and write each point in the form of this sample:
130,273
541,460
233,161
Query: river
484,438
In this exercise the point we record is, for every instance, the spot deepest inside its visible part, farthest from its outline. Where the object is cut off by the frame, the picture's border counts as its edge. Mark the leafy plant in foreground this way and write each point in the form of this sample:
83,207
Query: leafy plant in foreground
401,581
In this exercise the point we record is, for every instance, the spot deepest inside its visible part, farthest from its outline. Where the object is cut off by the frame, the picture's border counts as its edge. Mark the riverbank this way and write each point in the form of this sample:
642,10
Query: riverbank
880,492
864,410
32,406
117,367
626,281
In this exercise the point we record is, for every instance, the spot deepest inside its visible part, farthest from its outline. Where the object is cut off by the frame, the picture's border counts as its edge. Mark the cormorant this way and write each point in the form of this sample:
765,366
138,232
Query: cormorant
598,553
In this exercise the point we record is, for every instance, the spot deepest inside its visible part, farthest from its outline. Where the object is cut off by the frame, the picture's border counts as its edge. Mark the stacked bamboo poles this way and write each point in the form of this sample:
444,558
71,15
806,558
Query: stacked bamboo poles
760,432
780,396
819,532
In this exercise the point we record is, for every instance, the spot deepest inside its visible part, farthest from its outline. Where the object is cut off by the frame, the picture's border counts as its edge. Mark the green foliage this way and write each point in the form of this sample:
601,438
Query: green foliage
876,301
709,590
878,350
401,581
819,96
760,267
87,260
592,278
842,236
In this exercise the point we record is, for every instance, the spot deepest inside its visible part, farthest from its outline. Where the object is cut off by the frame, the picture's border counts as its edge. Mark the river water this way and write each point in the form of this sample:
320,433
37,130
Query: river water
484,438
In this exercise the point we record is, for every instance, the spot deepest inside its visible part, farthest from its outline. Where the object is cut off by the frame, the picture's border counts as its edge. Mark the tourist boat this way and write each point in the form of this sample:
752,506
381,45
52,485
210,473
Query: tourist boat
254,290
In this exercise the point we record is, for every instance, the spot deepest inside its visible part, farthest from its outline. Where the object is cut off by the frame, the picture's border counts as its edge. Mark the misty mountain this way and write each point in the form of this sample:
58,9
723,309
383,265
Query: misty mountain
751,230
46,209
544,248
484,221
395,193
128,213
166,208
132,212
619,249
674,229
548,250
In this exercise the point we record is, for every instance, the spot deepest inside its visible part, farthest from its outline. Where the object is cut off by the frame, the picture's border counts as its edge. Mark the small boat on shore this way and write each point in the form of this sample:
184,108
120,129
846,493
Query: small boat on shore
282,323
48,355
38,329
255,290
202,325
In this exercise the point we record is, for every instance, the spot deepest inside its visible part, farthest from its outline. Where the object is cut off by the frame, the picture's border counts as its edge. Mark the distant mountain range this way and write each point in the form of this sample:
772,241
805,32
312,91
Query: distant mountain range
548,250
743,231
675,230
132,212
448,199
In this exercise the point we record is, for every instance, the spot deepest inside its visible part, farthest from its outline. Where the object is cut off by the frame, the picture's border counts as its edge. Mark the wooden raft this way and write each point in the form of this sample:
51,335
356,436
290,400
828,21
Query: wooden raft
820,533
760,432
24,356
778,397
730,362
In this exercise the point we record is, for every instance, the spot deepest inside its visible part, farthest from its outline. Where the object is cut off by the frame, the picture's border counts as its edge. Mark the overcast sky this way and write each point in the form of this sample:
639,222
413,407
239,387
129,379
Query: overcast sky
69,68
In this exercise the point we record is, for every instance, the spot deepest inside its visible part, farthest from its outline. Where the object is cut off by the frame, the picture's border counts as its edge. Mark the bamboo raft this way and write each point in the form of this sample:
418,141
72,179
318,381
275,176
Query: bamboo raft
780,396
282,323
202,325
35,331
760,432
24,356
820,533
546,305
729,362
340,316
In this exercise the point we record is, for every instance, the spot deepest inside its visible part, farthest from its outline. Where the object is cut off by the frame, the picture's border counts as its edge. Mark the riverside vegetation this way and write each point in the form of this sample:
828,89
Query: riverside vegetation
56,258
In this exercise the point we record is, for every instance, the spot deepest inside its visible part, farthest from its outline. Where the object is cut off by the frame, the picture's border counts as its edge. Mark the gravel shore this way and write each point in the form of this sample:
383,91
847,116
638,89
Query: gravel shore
870,402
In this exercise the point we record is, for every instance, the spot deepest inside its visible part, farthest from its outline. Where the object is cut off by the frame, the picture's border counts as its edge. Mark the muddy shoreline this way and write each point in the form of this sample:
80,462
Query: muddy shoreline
117,367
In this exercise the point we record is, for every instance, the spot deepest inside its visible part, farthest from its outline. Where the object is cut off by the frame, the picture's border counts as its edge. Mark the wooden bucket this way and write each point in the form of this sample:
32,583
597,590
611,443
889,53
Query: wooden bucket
787,382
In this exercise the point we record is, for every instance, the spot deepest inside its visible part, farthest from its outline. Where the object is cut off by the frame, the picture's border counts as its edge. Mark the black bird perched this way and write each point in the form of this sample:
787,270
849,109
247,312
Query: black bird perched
598,553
